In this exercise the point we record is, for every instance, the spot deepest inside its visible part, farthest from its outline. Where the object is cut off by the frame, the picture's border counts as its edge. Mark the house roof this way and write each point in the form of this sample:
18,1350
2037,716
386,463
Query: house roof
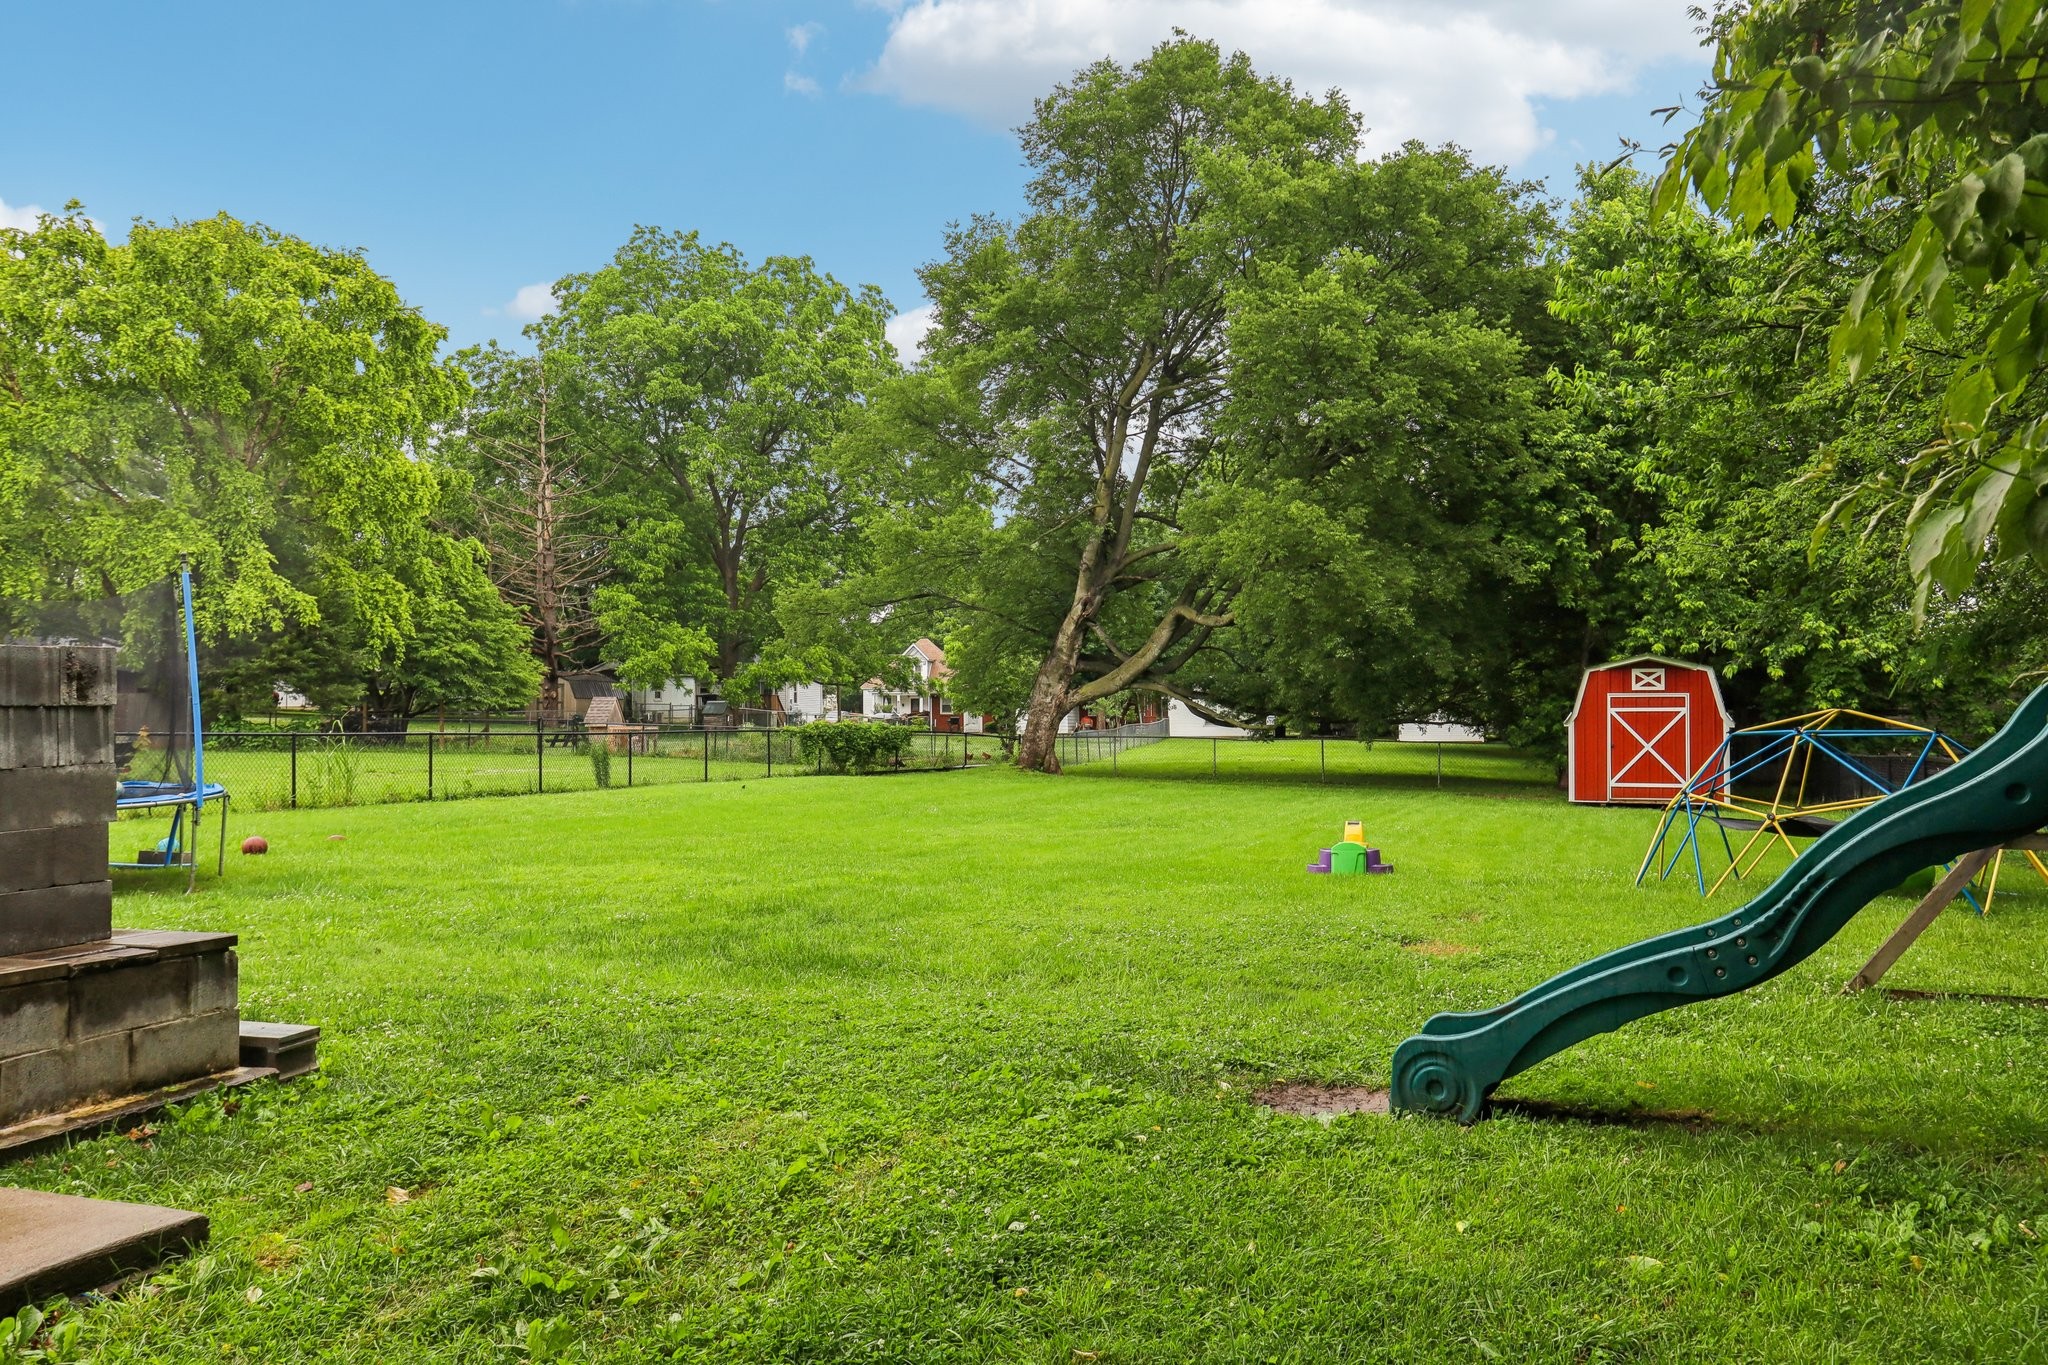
933,655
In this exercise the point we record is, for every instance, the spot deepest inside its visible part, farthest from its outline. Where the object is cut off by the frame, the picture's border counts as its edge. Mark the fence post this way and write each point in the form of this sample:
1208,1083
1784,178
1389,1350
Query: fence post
705,736
295,770
771,751
1322,758
540,755
430,765
1212,758
632,743
1114,745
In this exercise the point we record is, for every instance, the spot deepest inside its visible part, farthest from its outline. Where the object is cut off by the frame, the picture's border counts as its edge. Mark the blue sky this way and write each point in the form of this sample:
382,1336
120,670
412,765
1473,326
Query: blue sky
476,150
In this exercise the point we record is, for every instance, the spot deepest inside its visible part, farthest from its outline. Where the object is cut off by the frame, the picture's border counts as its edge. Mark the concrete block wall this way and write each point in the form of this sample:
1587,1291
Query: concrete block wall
56,795
140,1010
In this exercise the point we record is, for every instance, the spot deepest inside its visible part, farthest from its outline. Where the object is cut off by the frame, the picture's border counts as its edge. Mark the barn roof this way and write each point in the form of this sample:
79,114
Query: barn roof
1713,680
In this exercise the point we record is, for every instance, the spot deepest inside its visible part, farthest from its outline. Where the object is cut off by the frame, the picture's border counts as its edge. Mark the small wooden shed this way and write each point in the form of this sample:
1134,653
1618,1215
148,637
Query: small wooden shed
1641,727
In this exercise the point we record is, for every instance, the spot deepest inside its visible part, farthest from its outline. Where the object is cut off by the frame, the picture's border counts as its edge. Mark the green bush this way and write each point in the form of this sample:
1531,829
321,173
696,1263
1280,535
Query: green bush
851,746
601,762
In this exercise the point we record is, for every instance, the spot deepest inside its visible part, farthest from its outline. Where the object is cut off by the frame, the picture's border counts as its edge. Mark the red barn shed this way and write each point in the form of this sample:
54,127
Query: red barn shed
1642,726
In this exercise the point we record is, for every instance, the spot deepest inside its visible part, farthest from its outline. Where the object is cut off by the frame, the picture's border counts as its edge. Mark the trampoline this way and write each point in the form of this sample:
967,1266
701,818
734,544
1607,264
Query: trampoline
159,741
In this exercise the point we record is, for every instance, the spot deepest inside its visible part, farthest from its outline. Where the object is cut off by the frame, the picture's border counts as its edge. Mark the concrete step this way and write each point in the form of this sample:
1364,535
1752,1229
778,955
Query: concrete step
61,1244
289,1049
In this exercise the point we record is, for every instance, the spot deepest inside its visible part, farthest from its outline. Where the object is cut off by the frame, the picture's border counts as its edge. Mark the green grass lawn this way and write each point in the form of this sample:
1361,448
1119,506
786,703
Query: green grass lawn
957,1067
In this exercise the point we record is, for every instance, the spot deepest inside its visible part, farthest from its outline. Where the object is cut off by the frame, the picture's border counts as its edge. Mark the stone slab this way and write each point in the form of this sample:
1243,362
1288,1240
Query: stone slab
57,675
55,736
125,948
61,1244
75,960
56,917
293,1049
35,798
44,1131
58,855
173,942
262,1034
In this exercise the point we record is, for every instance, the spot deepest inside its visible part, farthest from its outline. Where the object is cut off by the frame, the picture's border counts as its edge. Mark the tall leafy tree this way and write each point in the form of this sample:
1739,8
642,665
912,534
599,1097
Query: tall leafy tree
222,392
709,389
1074,372
1699,360
1230,416
1927,112
1411,528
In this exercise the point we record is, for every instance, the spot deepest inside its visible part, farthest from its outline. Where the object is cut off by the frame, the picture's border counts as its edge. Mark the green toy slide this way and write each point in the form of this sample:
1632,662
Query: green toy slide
1996,794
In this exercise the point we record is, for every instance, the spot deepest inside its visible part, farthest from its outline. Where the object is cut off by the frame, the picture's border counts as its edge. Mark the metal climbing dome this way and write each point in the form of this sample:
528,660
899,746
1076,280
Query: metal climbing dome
1795,778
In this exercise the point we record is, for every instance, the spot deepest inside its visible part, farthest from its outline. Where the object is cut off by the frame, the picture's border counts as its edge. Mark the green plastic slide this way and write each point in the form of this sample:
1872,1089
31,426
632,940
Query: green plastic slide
1996,794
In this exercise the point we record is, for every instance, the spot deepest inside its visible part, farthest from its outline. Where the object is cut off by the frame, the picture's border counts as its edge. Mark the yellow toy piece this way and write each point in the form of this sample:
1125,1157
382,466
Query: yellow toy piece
1354,831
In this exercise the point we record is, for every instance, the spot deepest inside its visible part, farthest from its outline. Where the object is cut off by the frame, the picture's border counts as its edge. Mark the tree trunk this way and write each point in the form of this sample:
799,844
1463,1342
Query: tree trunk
1039,750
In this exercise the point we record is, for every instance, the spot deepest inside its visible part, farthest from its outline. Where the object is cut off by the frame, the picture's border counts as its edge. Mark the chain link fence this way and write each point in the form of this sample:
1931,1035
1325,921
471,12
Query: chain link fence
1109,745
285,770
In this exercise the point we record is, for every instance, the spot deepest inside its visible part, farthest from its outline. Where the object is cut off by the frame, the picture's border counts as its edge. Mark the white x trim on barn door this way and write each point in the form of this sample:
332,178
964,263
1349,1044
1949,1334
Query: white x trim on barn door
1619,719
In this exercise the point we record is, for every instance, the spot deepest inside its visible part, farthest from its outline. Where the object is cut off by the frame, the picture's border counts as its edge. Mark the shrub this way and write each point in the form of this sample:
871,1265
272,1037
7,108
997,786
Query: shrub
855,746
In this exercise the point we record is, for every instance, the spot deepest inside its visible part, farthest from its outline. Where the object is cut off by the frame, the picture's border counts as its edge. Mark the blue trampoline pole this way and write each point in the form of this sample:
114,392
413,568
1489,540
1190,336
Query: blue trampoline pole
192,681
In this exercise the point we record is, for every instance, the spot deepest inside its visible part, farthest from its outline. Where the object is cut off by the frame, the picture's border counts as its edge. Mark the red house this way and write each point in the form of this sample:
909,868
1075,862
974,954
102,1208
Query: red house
1641,727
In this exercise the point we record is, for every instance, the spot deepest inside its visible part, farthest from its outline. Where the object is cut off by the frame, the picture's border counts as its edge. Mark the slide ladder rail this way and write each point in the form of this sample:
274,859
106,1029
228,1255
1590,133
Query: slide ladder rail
1998,793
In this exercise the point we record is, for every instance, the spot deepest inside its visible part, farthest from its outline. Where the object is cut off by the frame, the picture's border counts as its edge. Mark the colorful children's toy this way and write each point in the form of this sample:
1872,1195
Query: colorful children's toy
1350,856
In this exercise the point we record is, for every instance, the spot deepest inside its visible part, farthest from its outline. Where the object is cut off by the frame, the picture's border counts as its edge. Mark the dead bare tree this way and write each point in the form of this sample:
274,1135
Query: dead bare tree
534,507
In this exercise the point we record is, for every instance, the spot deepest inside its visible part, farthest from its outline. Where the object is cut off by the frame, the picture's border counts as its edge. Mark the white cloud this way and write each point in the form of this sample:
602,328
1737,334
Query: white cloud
532,303
21,216
798,84
906,333
800,36
1468,71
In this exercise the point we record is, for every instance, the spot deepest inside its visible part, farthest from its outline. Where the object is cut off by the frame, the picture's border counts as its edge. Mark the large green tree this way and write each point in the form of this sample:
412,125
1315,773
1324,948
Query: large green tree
1073,374
1699,362
263,407
707,390
1926,114
1409,527
1230,416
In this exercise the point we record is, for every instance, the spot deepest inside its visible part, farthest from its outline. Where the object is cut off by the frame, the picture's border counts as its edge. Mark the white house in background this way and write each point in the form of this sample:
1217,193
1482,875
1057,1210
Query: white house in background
675,699
1437,730
1183,723
806,701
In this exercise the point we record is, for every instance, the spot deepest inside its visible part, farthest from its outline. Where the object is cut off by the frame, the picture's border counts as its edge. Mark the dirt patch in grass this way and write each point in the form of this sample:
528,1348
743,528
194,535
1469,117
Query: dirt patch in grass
1692,1120
1436,947
1323,1102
